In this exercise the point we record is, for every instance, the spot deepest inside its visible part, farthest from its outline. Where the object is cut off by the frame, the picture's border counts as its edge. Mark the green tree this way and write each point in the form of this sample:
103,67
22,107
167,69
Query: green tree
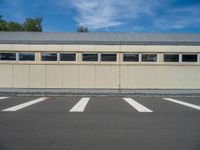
14,26
30,24
3,24
33,24
82,29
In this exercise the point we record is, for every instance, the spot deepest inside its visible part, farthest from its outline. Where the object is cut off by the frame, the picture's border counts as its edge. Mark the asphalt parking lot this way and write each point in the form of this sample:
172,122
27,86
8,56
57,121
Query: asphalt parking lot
99,123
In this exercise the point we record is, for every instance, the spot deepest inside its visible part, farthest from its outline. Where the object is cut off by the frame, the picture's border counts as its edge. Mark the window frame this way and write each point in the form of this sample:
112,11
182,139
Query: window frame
190,61
18,57
131,54
179,58
89,54
108,54
157,58
9,60
57,57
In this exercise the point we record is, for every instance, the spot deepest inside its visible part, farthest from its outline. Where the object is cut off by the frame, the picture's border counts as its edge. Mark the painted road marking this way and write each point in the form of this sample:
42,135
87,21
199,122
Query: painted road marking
3,98
139,107
23,105
80,106
183,103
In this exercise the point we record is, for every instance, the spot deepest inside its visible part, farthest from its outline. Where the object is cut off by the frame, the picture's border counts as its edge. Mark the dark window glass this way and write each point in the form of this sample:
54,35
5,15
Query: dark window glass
108,57
8,56
26,56
131,57
67,57
49,56
171,58
189,58
149,57
90,57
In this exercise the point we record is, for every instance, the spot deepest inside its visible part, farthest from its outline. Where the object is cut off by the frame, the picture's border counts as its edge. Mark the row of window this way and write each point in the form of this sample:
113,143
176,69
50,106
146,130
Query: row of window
95,57
20,56
167,57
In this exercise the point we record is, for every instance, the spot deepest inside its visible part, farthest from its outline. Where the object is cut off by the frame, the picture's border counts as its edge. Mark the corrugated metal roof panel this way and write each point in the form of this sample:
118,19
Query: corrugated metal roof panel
99,38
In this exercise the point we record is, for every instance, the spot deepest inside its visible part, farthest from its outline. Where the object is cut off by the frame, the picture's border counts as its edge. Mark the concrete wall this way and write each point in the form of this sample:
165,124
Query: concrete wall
100,76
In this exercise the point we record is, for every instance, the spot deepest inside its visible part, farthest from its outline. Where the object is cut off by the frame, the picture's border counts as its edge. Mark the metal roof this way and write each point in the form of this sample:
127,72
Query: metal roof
99,38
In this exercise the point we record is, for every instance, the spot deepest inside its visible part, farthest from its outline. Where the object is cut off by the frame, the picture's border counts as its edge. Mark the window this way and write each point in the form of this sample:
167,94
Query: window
189,58
109,57
171,58
26,56
90,57
67,57
49,57
8,56
131,57
149,57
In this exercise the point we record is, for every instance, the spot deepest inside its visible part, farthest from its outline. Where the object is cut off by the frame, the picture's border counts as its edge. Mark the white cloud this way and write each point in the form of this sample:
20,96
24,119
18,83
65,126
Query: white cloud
161,14
97,14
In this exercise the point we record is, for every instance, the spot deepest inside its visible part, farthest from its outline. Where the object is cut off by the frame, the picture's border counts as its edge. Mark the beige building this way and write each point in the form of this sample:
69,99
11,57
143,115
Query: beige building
100,60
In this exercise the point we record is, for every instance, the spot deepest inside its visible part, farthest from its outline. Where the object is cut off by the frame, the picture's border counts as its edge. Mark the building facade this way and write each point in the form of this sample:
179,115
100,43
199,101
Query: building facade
100,60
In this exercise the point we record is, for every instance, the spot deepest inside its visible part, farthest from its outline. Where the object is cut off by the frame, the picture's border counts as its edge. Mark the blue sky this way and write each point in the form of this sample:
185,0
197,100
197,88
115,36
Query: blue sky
108,15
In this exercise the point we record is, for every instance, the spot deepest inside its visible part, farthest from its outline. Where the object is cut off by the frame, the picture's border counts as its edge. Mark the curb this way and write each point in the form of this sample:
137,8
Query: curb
99,92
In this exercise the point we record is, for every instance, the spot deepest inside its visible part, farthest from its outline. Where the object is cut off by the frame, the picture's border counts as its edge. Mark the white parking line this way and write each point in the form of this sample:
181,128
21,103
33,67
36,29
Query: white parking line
183,103
3,98
23,105
80,106
139,107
